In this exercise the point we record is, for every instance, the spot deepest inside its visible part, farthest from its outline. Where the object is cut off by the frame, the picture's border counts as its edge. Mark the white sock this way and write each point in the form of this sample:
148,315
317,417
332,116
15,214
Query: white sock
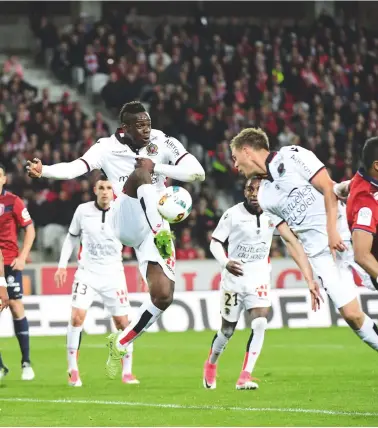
255,343
217,347
73,345
369,333
147,315
148,198
127,361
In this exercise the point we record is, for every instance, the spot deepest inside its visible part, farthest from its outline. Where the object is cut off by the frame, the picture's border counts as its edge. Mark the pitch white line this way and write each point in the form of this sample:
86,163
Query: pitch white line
180,406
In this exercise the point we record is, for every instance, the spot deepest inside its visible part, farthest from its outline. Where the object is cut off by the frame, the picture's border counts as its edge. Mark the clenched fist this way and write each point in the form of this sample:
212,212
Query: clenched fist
34,168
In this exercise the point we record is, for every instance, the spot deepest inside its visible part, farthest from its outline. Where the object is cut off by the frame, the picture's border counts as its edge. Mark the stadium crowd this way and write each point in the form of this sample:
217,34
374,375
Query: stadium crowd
315,86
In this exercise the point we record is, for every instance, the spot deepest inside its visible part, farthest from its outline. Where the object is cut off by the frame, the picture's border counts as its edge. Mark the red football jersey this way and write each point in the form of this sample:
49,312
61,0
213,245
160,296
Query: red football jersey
362,206
13,214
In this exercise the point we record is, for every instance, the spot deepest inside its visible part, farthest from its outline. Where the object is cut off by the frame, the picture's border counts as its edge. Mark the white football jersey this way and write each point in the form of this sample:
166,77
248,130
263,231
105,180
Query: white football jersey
249,241
117,160
101,251
288,195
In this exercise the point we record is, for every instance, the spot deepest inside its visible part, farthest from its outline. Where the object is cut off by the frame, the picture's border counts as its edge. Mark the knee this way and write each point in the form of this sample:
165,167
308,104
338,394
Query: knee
354,319
259,324
77,319
163,298
228,331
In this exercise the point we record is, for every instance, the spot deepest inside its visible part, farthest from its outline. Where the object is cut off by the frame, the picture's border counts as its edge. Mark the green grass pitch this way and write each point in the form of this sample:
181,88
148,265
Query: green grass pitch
309,377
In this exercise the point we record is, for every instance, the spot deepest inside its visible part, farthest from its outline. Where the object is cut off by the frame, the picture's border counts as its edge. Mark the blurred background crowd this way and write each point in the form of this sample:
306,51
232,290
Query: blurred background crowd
202,82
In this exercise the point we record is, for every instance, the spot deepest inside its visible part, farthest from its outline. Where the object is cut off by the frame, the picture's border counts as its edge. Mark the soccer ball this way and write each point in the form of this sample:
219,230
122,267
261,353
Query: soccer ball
175,204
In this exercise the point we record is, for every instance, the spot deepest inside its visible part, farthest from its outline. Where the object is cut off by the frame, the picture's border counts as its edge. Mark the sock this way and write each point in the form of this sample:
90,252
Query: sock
73,346
255,343
21,328
1,362
127,361
147,315
369,333
148,198
217,347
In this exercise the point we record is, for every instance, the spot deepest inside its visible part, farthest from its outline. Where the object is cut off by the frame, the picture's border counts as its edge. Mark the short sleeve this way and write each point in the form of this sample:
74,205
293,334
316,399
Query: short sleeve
223,230
93,157
175,151
75,226
365,214
276,220
21,213
306,163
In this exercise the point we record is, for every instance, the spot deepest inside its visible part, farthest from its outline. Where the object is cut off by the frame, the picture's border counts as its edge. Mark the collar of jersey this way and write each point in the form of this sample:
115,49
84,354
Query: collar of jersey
99,208
367,177
3,192
267,162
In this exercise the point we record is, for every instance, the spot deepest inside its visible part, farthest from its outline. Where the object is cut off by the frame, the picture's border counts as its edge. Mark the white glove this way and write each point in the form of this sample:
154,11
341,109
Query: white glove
341,190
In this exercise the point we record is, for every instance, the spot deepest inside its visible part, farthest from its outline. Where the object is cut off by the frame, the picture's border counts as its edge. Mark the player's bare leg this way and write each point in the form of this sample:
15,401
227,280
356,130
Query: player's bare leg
218,345
21,328
121,323
139,186
254,346
74,332
361,323
161,296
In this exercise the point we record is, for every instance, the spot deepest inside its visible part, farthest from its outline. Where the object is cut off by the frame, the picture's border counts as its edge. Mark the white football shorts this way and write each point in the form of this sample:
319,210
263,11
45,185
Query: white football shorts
110,287
233,303
133,230
336,277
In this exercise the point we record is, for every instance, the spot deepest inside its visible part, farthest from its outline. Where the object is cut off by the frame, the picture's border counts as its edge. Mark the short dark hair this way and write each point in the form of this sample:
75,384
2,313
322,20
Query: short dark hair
370,153
130,109
3,167
102,177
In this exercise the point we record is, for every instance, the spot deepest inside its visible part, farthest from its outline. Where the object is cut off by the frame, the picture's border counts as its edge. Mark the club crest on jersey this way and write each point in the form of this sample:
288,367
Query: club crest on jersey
2,209
281,169
152,149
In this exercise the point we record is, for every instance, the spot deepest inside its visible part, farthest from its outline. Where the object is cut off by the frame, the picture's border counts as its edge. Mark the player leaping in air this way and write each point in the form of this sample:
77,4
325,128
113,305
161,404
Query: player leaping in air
297,190
136,160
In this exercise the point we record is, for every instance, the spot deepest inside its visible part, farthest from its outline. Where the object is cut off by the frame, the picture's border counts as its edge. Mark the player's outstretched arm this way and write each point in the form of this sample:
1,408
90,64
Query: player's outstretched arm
297,253
187,169
59,171
4,298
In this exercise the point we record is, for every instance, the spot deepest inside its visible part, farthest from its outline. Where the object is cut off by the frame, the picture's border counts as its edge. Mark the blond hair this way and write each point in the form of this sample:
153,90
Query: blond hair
253,137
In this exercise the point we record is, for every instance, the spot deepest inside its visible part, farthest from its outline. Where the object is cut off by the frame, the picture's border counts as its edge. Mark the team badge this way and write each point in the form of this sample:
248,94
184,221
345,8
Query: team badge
281,169
10,280
2,209
152,149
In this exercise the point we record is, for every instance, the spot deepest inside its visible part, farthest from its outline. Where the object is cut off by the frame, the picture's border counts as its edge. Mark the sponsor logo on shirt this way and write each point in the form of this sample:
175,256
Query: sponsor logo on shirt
252,252
298,202
2,209
301,164
364,216
172,146
25,214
